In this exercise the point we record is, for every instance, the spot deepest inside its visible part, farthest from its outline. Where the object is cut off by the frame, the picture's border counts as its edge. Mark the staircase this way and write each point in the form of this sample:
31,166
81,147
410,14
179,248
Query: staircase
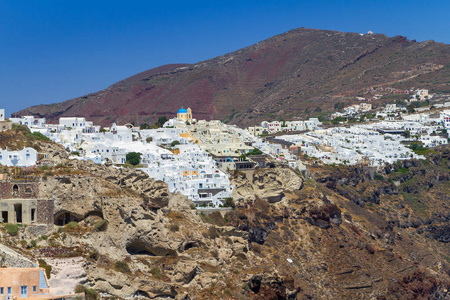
42,281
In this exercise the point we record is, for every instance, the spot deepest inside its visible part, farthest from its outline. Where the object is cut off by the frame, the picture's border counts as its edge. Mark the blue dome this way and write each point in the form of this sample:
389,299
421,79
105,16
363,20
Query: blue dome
182,111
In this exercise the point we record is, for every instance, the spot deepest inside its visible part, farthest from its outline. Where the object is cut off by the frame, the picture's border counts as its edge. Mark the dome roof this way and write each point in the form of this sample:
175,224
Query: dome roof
182,111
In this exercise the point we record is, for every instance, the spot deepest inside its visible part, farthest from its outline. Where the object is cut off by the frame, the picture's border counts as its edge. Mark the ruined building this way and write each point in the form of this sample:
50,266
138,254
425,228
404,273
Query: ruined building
19,203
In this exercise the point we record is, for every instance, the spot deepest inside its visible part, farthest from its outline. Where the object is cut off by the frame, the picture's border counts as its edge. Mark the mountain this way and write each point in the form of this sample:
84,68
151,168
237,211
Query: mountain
303,72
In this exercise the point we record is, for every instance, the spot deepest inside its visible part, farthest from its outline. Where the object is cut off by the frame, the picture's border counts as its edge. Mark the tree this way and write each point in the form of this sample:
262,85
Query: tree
410,108
174,143
338,120
339,106
254,151
407,134
161,121
144,126
134,158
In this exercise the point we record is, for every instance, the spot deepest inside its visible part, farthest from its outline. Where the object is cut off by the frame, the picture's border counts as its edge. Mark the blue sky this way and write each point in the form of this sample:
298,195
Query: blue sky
52,51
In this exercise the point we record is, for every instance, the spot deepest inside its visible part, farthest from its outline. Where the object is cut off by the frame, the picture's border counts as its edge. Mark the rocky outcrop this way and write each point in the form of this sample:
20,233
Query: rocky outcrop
269,184
136,241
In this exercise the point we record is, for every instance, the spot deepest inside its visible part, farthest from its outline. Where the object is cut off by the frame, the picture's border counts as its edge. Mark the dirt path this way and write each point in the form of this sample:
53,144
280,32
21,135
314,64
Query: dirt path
66,274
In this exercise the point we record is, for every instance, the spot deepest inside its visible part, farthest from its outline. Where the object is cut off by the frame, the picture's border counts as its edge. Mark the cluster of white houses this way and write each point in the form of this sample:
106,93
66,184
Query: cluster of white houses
375,143
284,126
352,145
193,157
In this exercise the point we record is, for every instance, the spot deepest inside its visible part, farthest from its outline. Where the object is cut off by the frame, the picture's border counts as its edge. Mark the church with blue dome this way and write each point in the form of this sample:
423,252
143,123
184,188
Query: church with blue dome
185,115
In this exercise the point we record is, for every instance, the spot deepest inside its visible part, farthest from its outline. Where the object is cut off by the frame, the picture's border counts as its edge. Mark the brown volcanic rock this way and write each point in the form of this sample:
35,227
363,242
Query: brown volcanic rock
301,70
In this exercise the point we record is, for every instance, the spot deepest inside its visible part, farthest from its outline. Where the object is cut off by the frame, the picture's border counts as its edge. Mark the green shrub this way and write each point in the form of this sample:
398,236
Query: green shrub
254,151
122,266
89,294
47,268
133,158
229,202
101,225
43,237
403,170
33,243
80,289
71,225
39,136
377,176
44,168
12,229
156,272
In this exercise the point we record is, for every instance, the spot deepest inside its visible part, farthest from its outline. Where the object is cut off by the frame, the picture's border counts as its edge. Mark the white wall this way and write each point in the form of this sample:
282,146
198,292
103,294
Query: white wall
23,158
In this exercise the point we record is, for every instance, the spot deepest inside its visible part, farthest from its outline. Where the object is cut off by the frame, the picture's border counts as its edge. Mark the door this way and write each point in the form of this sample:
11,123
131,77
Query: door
24,291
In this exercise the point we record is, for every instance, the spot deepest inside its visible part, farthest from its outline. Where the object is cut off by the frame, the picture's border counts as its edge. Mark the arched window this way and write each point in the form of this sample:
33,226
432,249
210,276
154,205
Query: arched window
15,191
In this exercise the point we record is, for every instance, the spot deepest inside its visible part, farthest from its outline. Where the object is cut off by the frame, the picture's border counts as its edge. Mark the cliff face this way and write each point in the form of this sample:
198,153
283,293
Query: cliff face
298,73
343,233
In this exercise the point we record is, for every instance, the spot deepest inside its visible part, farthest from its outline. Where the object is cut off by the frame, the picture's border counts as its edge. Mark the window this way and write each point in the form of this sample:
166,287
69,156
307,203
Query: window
2,290
34,288
9,290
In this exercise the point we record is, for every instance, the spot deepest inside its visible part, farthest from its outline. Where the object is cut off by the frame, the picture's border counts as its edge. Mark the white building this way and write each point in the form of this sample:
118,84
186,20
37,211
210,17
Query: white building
30,121
2,115
22,158
77,124
420,95
445,118
192,172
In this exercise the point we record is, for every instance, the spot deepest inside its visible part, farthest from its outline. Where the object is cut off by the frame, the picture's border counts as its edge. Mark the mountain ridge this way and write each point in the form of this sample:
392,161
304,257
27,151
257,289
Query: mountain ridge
295,74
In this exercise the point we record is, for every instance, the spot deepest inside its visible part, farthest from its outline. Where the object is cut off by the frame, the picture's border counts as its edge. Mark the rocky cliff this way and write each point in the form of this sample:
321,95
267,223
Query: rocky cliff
343,233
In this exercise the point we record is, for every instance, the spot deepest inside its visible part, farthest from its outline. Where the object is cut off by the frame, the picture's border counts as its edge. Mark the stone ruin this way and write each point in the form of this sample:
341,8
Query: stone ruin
19,203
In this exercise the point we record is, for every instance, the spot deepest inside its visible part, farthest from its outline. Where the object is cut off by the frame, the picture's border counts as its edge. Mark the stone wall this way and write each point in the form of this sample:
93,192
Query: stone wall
45,211
23,189
4,126
5,190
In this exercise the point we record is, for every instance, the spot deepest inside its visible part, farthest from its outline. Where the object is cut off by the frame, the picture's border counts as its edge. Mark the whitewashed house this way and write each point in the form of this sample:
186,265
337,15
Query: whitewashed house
29,121
22,158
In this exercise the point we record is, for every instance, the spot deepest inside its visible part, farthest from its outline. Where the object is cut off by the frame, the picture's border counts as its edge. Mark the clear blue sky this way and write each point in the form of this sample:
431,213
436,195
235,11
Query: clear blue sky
52,51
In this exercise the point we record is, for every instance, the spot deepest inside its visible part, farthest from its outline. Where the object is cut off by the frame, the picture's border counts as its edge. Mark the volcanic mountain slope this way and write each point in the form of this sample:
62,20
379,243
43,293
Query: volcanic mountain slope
298,72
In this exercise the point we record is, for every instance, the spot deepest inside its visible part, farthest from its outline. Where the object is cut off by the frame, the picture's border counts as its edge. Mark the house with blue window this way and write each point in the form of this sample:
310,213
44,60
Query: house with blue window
27,283
26,157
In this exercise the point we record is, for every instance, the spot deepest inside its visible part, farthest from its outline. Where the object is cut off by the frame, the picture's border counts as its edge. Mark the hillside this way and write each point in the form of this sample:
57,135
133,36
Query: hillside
303,72
345,232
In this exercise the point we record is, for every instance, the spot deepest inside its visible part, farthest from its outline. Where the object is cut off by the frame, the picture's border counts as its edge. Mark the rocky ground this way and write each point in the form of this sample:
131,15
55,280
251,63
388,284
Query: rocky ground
67,273
342,233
